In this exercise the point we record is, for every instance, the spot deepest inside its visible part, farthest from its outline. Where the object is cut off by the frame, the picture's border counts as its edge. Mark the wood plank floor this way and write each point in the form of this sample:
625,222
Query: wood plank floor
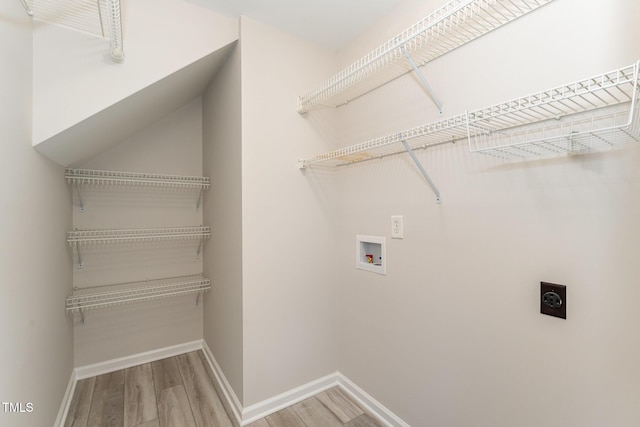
179,392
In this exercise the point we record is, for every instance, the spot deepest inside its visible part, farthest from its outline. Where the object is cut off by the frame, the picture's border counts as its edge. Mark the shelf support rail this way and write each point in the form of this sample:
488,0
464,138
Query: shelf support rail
422,79
422,170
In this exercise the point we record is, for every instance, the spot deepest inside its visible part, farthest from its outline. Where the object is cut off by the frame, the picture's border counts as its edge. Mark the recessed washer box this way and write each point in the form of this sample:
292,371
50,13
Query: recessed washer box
371,254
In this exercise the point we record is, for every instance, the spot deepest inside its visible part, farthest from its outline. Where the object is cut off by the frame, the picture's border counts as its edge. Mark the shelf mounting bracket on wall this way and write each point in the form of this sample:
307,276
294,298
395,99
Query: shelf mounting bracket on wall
79,256
422,170
199,249
79,198
199,200
27,8
422,79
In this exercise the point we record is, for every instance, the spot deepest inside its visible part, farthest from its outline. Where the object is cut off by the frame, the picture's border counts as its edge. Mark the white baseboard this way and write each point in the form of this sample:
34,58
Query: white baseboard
66,401
232,402
113,365
288,398
245,416
367,402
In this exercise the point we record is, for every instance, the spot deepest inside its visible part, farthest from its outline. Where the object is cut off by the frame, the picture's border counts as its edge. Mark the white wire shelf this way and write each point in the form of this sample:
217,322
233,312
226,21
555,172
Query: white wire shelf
109,178
95,178
101,18
449,27
442,131
97,237
586,115
125,293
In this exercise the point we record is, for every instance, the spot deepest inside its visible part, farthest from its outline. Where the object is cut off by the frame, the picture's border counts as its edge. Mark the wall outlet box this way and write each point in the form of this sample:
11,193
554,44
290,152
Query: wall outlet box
371,254
397,227
553,300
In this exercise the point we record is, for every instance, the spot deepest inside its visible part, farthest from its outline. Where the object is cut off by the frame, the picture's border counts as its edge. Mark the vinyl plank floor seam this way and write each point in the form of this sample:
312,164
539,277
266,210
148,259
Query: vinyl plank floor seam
191,407
174,408
140,403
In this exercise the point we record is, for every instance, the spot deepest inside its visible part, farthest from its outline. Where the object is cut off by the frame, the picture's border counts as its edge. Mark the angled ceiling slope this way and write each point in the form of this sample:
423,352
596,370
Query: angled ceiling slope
119,121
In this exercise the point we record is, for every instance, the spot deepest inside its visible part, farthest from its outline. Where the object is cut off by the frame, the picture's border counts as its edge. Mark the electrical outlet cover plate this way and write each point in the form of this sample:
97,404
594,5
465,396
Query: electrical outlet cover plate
553,300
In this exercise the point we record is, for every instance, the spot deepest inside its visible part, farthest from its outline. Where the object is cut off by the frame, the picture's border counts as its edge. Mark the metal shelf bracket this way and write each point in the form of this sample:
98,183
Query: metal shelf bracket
199,249
80,264
422,170
423,80
199,201
27,8
79,197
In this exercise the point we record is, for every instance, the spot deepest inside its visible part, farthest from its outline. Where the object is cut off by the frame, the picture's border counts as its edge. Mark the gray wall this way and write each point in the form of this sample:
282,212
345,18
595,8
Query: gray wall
35,266
222,150
173,146
452,335
288,230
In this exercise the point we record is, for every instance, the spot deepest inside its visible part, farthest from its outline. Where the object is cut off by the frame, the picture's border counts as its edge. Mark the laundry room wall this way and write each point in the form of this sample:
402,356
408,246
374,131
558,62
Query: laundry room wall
452,334
288,221
37,355
172,146
222,161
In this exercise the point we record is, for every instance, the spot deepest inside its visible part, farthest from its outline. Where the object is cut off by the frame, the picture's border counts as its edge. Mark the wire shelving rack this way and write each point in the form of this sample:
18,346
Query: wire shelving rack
125,293
449,27
588,114
101,18
101,178
86,238
441,131
136,235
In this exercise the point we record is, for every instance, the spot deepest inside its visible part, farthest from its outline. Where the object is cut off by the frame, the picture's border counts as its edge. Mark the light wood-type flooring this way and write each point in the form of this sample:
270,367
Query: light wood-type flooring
179,392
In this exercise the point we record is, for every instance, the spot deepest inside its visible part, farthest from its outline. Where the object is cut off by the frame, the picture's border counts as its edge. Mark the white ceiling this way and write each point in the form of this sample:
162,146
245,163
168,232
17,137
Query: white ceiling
331,23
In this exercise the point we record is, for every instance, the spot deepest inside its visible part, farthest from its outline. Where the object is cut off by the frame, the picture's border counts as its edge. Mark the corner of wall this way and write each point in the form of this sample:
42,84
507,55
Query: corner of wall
222,154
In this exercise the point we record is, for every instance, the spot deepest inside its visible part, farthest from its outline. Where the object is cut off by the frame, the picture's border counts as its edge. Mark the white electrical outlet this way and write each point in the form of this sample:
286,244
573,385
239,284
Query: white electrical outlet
397,229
